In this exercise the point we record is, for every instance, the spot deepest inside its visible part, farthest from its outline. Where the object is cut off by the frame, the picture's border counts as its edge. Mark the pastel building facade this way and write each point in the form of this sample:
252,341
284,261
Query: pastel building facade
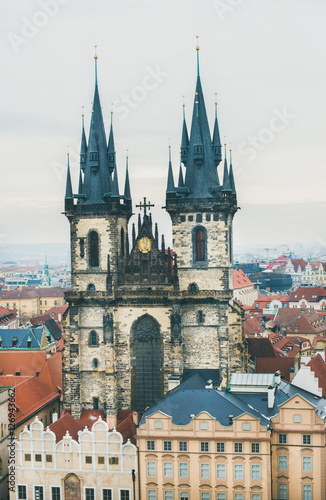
96,467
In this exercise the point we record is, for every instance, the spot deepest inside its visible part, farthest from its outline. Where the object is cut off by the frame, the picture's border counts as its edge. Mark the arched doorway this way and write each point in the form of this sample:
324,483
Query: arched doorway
147,382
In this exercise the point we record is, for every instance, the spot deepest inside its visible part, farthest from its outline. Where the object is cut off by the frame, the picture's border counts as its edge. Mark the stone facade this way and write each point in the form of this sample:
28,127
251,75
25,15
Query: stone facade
140,313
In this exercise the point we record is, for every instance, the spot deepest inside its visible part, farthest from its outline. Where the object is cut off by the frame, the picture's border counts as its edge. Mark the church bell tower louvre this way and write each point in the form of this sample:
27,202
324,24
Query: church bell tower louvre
139,313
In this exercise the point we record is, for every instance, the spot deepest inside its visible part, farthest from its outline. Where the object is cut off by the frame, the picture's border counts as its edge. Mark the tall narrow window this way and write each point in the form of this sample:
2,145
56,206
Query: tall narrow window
93,249
200,245
122,242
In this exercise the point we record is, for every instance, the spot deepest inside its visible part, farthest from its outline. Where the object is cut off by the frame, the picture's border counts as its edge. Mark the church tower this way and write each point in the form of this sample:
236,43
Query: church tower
139,313
98,217
202,210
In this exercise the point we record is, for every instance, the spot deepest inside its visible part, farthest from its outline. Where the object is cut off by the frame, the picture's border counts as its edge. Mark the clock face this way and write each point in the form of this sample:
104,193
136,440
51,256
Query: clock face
144,245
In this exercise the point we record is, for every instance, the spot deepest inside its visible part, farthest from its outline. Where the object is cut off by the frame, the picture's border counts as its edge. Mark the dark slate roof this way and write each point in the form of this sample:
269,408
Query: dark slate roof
53,328
23,335
191,398
206,374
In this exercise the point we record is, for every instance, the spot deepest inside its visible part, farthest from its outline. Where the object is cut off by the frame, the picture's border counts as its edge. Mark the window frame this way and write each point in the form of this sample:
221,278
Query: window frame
195,246
255,452
180,446
149,447
204,468
164,469
253,470
26,491
220,443
238,444
186,467
51,492
203,446
307,438
282,438
106,489
150,468
223,466
239,468
167,448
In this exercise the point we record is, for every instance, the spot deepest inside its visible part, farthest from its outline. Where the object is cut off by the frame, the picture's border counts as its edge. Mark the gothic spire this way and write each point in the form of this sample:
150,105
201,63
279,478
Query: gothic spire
83,146
127,193
115,183
80,184
231,177
97,181
201,174
68,194
226,180
180,181
217,146
111,148
185,139
170,187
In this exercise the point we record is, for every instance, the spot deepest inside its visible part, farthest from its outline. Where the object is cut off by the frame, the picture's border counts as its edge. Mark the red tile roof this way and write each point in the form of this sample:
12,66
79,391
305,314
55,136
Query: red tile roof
28,363
30,396
318,366
300,322
51,373
298,262
11,380
64,424
240,279
253,324
310,294
127,426
271,365
260,348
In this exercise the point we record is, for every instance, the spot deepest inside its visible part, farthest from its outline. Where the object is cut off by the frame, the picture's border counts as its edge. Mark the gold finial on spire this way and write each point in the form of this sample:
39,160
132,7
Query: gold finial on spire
215,98
230,146
95,55
68,151
127,153
197,48
112,104
183,101
169,143
82,110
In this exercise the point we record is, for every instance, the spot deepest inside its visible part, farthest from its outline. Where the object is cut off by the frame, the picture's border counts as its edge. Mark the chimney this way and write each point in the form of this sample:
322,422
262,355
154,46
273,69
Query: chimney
8,288
135,418
54,417
296,365
209,384
277,377
20,288
271,396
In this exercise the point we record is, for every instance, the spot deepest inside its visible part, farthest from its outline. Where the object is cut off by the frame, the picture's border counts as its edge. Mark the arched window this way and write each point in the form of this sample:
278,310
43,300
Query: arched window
199,244
93,247
93,341
91,288
122,242
95,363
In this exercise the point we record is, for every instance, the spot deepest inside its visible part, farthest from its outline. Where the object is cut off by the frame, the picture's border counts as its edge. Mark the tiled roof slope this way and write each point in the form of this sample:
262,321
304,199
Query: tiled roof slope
240,279
28,363
30,396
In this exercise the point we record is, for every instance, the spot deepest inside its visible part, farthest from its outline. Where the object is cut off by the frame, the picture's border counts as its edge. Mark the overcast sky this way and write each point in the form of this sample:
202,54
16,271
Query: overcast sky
264,59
